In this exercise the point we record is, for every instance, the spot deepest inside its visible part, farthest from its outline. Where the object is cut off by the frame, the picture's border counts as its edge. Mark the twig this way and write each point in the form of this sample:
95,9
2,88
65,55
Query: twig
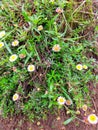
79,119
88,13
79,7
94,104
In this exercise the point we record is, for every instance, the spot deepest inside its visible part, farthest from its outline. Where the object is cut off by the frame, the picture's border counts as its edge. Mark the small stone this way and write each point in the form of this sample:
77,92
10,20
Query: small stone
38,89
58,118
84,107
68,112
78,112
38,123
93,111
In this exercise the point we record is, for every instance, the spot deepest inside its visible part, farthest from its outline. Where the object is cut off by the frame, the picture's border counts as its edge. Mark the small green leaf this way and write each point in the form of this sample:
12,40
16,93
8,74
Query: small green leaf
8,48
51,87
96,28
28,57
66,93
68,120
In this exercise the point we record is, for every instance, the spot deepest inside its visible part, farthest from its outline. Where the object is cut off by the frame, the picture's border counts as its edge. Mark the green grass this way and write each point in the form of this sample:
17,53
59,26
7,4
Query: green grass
55,73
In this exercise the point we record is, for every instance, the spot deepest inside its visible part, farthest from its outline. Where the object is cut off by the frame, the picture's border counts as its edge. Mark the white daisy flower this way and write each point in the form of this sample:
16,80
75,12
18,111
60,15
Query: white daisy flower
31,68
79,67
2,34
56,48
61,100
13,57
1,44
93,119
15,43
15,97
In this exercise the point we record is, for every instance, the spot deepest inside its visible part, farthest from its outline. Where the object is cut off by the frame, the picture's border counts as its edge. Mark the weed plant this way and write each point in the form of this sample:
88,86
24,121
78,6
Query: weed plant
53,36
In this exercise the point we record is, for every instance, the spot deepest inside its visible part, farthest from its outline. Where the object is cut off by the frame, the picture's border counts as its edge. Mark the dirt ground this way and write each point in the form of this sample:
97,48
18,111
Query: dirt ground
52,123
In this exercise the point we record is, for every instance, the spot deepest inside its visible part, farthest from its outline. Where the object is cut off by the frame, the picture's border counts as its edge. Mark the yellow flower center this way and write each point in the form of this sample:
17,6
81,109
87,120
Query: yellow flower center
61,100
31,68
93,118
79,67
1,45
15,42
13,57
56,48
15,97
